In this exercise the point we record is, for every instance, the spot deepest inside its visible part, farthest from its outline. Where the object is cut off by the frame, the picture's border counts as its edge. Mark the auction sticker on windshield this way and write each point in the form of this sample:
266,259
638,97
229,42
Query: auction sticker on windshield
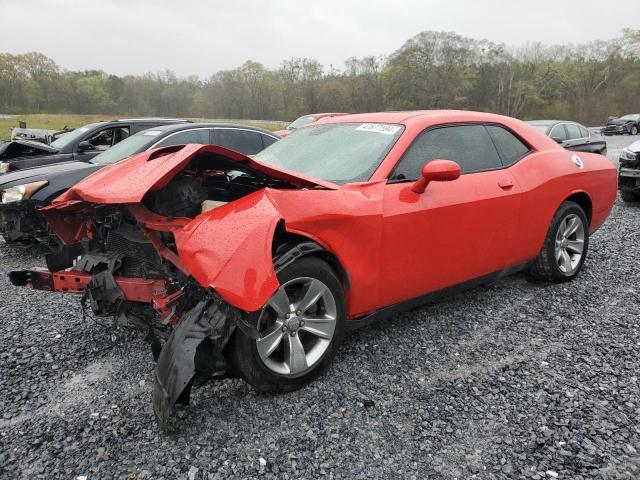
379,128
152,133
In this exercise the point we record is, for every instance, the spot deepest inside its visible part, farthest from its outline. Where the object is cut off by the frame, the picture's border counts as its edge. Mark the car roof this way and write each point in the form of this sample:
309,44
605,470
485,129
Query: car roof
154,119
318,115
417,116
159,121
189,126
550,122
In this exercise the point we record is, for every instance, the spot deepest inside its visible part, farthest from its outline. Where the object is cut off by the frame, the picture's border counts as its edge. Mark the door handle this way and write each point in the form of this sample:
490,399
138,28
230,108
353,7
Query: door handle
505,183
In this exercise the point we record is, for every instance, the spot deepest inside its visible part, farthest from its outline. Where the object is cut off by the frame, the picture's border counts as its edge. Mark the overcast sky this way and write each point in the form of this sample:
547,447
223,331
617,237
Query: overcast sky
201,37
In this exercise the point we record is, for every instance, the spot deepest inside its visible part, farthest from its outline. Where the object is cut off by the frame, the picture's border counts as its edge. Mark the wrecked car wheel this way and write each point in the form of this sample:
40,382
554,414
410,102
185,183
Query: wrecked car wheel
301,328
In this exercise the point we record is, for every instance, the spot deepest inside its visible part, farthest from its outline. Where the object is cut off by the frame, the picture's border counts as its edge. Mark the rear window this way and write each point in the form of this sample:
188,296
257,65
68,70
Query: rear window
510,147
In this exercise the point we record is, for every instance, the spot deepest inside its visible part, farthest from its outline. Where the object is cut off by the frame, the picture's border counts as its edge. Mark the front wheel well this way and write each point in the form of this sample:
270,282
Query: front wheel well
284,241
584,201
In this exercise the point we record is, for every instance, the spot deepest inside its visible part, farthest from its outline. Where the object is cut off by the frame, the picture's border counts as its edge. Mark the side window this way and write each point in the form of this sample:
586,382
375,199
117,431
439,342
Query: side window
468,145
102,140
584,133
138,127
558,133
510,147
268,140
243,141
574,131
119,134
186,136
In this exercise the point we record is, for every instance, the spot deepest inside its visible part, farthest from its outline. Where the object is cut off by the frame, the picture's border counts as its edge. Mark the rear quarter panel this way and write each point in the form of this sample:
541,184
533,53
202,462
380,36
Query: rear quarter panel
547,179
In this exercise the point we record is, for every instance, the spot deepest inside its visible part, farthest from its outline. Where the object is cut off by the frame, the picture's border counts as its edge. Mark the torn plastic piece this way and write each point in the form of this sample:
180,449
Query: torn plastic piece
104,294
211,319
91,261
102,291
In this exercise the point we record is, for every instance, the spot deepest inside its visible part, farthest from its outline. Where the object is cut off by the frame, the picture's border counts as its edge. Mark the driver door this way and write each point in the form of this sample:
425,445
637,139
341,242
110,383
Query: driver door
455,231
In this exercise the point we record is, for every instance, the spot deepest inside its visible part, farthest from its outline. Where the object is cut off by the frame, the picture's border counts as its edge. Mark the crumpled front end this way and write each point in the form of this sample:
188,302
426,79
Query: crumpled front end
186,264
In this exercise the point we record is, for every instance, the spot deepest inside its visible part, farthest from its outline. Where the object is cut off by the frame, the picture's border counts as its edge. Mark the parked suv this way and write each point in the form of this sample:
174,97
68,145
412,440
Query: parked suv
81,144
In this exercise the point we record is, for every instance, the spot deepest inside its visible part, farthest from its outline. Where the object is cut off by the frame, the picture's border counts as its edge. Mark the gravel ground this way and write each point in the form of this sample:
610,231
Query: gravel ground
511,380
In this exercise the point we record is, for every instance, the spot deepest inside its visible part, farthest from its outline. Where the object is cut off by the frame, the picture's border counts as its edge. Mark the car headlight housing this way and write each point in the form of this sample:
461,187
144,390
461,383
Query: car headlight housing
628,155
5,167
21,192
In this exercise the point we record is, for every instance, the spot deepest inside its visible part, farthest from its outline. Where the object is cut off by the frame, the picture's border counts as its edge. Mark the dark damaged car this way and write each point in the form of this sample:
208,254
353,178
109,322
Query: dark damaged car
627,124
257,266
80,145
23,192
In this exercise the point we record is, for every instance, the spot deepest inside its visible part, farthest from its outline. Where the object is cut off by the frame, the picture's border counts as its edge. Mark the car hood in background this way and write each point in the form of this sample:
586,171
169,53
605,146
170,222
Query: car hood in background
17,147
128,180
634,147
39,173
619,121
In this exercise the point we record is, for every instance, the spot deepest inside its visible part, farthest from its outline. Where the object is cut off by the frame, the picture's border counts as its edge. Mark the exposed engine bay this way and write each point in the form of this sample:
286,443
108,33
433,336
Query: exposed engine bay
205,185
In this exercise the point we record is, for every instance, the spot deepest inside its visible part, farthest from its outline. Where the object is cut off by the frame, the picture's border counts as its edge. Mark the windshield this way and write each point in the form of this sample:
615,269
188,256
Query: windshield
72,136
300,122
338,153
630,117
134,144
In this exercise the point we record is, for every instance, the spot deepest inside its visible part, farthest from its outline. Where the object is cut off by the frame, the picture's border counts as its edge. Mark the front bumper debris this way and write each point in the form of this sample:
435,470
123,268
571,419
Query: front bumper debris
74,281
194,348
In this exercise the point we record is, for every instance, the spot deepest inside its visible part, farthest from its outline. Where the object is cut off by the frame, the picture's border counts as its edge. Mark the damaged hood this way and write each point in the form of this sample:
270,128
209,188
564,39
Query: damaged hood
16,148
129,180
618,121
634,147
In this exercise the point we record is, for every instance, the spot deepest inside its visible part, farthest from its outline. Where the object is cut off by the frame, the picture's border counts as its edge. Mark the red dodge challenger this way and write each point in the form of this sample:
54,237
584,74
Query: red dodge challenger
256,266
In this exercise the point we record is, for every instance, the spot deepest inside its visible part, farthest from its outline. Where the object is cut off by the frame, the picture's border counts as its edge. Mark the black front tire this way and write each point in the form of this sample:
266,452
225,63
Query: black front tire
546,266
243,353
633,130
630,197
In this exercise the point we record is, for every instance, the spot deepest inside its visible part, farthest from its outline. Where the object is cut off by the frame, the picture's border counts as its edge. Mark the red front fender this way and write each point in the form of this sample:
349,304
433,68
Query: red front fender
230,250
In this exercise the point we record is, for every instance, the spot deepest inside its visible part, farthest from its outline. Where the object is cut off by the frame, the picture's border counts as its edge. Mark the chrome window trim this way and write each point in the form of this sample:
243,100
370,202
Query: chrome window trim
176,133
247,130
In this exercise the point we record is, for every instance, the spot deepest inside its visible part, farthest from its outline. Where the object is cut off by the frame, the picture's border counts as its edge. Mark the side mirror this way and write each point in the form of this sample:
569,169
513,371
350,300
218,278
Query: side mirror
436,171
84,146
557,140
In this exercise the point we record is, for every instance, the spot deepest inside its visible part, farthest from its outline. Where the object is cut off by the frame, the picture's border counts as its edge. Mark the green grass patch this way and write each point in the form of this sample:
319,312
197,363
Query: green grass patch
59,121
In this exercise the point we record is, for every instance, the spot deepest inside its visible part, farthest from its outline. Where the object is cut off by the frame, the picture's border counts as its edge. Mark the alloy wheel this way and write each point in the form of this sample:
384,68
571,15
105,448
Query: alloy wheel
570,243
297,325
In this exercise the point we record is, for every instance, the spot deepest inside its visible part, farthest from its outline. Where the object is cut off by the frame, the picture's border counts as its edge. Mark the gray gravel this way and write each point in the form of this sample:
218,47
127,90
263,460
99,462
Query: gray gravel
511,380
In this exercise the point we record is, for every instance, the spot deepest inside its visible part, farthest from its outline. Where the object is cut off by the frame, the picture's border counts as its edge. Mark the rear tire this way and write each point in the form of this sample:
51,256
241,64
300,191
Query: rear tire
565,247
273,363
630,197
634,130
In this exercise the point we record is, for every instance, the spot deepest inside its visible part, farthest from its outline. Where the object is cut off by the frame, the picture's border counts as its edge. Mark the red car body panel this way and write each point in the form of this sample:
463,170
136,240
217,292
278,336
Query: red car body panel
316,117
393,243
